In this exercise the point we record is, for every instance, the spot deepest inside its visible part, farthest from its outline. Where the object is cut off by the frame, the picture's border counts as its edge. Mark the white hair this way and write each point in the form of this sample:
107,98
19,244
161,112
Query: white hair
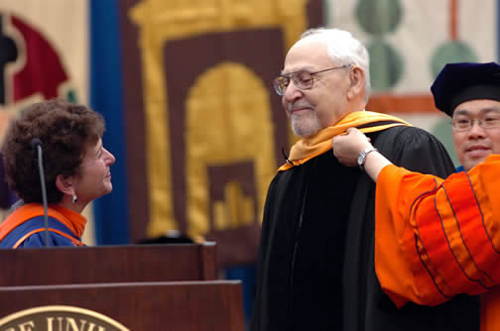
343,48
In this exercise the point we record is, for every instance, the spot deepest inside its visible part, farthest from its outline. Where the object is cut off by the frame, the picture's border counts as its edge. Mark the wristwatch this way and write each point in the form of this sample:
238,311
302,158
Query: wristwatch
362,156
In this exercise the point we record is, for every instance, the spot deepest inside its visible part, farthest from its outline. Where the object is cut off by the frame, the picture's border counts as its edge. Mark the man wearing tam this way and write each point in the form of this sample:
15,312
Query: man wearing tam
438,238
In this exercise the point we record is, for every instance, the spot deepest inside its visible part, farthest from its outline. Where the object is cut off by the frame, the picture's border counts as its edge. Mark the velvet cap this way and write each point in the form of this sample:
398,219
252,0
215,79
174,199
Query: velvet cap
465,81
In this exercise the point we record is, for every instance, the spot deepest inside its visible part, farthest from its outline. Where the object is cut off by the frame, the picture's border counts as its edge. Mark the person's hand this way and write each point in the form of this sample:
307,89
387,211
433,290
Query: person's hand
347,147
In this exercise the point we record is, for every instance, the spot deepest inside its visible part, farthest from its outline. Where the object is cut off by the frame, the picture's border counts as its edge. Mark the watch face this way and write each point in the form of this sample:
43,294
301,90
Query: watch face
360,159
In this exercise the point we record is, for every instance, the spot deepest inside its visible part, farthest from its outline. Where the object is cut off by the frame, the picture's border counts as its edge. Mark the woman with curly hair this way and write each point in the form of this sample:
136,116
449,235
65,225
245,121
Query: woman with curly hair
76,167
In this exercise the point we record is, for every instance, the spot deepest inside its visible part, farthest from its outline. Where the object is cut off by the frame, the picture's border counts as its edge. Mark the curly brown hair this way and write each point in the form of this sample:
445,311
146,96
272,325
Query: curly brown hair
65,130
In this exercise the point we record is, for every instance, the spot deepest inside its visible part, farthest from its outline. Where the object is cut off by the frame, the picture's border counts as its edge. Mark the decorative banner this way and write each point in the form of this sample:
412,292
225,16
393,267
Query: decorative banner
40,60
409,42
213,129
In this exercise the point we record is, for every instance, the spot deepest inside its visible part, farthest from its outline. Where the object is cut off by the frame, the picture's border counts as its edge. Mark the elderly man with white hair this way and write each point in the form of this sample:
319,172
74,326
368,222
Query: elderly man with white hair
316,257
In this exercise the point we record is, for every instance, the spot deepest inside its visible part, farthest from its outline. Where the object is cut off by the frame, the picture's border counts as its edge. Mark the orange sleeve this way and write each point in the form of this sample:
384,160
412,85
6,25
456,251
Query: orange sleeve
435,239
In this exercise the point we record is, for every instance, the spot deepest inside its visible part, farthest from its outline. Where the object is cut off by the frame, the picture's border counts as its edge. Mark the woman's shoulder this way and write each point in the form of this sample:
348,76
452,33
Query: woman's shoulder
38,240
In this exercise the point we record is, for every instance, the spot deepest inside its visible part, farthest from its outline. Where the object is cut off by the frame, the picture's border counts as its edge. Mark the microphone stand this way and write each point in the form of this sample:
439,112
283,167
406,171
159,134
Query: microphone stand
35,142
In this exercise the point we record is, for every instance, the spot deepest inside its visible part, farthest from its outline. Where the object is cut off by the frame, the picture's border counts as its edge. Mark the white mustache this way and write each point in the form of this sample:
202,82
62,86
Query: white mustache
298,105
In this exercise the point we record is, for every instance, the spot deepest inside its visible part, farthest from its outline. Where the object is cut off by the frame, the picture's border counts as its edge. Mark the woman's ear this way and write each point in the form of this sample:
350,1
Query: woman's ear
357,82
65,184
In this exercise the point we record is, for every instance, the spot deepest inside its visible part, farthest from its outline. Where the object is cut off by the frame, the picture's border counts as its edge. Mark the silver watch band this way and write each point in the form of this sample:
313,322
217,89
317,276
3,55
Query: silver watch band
362,156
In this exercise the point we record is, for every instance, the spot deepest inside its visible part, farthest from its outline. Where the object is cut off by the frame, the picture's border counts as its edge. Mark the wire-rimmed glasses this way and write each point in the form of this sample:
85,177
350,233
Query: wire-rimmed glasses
302,79
465,123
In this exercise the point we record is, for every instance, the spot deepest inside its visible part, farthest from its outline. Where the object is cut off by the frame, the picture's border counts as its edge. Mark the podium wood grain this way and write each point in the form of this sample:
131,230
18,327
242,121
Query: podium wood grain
145,287
106,264
179,306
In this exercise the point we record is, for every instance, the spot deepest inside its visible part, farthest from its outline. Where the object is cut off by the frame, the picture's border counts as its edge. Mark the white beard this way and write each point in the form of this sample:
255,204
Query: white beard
305,125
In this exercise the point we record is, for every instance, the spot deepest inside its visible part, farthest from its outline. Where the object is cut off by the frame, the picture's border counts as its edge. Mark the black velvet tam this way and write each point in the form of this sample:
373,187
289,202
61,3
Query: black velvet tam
460,82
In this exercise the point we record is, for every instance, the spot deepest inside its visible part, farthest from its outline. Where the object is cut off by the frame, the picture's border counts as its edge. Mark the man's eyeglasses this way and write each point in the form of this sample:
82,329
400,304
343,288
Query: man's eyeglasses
465,124
304,80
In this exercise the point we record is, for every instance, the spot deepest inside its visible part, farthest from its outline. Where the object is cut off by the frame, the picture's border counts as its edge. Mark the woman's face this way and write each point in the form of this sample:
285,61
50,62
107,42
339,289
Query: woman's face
94,177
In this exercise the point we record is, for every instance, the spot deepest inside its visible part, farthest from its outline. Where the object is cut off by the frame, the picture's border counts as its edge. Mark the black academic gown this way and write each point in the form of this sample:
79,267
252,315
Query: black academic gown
316,257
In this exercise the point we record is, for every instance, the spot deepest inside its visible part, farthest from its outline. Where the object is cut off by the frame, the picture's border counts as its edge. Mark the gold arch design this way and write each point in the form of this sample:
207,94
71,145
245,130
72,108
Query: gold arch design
231,106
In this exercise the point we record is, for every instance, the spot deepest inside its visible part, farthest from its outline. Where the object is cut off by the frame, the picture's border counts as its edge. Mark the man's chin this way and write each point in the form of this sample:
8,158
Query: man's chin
304,133
304,130
471,163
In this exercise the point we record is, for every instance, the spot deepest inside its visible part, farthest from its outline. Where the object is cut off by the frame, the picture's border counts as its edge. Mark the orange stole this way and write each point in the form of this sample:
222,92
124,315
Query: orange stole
307,148
72,220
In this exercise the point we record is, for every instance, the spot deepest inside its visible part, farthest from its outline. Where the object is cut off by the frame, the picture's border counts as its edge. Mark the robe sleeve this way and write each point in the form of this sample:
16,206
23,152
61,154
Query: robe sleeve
437,238
37,240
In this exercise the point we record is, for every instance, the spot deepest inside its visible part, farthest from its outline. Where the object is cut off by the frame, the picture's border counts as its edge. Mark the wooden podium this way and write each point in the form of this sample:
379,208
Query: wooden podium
157,287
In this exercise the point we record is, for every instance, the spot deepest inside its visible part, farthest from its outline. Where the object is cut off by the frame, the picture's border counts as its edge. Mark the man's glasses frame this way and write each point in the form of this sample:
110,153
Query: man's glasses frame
302,79
465,124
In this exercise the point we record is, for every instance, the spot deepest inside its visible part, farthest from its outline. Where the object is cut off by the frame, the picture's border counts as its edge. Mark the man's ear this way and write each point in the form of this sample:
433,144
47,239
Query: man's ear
357,82
65,184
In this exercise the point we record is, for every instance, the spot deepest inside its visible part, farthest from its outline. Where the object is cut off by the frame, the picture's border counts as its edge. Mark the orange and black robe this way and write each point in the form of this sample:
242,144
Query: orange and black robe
438,238
25,227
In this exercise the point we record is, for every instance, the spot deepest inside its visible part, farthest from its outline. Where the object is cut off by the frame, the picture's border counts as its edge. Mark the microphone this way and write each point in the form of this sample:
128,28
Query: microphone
37,144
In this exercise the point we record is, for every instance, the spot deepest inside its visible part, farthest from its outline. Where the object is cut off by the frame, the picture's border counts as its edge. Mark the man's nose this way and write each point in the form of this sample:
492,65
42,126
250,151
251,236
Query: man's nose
292,92
476,130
